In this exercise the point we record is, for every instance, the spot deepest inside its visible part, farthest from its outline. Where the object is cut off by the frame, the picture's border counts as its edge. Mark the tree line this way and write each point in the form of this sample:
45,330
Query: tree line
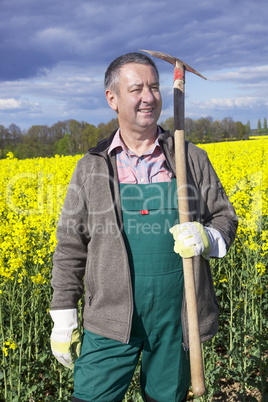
71,137
68,137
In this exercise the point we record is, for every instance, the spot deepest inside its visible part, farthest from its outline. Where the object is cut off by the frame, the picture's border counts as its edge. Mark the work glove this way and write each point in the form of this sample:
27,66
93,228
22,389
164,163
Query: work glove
65,337
192,239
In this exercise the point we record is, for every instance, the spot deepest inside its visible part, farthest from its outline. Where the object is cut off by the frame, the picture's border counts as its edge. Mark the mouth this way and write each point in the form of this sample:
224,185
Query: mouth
146,110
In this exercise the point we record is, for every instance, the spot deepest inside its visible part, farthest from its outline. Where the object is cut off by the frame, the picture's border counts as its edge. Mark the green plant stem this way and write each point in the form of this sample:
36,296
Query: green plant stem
29,350
3,354
60,390
11,332
22,341
230,276
260,338
36,329
231,330
245,344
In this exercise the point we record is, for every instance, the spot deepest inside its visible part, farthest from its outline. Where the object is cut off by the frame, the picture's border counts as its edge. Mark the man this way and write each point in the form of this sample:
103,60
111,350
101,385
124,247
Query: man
114,243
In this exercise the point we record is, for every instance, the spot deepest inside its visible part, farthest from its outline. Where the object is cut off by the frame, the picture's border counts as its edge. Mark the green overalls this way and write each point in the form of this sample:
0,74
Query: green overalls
105,368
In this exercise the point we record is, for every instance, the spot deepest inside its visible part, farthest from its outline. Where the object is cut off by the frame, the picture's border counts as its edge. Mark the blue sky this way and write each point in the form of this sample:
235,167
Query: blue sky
54,55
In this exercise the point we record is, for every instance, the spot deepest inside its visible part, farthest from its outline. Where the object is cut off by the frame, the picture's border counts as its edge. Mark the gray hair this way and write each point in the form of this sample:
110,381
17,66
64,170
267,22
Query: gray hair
112,73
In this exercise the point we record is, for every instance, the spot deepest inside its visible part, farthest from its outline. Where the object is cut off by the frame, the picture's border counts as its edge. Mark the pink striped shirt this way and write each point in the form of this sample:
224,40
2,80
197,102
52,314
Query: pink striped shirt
147,168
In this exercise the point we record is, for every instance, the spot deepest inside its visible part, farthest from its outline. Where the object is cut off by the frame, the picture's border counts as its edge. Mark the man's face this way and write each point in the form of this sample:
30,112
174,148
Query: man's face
137,100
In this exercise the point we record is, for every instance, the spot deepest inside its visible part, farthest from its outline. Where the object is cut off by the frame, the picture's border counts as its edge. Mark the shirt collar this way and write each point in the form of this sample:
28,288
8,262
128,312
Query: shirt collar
117,142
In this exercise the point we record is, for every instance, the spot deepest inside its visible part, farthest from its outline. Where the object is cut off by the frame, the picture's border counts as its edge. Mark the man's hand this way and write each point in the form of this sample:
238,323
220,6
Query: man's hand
191,239
65,337
67,352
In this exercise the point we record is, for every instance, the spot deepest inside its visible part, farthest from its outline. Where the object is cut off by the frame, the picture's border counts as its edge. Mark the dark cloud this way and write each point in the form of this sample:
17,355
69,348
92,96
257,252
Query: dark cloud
54,53
209,34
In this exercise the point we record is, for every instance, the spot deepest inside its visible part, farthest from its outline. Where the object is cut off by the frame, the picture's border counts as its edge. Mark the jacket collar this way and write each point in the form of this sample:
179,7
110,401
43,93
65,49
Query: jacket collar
103,146
165,139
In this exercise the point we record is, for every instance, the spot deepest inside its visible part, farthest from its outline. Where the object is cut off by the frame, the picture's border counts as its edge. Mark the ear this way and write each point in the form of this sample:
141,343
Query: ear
111,99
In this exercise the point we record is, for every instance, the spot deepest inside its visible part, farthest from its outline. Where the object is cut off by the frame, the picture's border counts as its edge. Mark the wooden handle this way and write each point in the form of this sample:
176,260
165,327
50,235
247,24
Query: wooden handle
196,361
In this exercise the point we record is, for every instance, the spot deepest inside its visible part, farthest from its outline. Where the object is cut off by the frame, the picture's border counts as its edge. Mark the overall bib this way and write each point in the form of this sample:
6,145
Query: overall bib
105,368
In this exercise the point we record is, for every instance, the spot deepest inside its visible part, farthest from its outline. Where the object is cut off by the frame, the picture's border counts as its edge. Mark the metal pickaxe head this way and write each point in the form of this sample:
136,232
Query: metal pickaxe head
173,60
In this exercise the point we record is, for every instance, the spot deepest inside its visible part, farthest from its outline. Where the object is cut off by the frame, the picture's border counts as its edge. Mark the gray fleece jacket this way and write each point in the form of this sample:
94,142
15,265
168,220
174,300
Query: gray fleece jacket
91,255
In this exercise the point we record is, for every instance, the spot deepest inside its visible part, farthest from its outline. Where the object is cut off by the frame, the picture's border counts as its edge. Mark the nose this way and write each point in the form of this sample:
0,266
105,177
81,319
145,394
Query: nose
147,95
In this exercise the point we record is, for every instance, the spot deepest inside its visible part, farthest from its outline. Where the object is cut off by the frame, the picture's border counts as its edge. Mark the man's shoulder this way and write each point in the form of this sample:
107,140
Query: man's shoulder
190,148
92,155
194,151
103,145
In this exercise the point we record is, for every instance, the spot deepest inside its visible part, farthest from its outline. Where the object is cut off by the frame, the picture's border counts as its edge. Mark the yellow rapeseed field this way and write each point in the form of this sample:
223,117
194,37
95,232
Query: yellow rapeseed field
31,197
243,169
32,192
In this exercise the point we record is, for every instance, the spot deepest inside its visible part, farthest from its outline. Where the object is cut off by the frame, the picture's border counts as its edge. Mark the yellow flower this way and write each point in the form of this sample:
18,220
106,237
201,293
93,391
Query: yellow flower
10,155
261,268
13,346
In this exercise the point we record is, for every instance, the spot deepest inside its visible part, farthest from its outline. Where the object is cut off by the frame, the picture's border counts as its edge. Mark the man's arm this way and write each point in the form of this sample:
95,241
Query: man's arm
214,219
214,207
70,255
69,264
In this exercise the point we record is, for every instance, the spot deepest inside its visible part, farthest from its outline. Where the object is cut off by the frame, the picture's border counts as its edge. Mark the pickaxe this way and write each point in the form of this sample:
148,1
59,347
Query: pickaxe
196,362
